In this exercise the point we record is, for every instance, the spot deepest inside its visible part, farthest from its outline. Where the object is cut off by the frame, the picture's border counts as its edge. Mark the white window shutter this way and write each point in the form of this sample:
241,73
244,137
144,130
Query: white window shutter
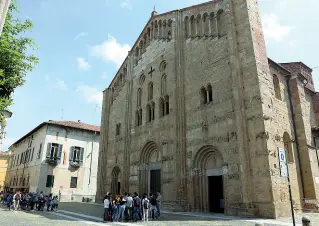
81,156
49,150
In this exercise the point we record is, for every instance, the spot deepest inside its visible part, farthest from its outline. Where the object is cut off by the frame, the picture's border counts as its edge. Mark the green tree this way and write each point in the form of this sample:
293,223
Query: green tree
15,57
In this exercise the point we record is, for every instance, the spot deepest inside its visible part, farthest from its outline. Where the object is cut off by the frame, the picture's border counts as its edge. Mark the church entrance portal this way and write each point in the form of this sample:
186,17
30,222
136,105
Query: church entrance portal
150,169
116,184
155,181
216,194
208,181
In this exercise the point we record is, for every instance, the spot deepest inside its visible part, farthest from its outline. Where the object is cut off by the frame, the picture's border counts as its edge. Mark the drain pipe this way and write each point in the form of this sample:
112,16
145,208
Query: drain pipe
295,135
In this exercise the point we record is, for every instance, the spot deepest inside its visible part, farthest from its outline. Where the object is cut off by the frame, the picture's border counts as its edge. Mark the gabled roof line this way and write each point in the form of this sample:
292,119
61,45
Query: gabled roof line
145,27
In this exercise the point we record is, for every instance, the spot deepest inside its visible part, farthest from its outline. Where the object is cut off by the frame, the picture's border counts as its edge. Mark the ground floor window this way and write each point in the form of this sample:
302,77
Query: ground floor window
73,182
50,181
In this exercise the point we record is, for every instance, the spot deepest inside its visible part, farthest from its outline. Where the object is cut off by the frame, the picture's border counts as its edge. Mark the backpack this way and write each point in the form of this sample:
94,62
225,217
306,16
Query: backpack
146,203
17,197
137,201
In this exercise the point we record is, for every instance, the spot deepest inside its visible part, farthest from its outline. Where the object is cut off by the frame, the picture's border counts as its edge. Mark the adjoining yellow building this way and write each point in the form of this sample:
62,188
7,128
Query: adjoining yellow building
4,160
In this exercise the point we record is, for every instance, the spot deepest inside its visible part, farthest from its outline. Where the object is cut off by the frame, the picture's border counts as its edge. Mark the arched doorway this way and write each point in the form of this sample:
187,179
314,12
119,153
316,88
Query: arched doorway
208,180
150,169
116,181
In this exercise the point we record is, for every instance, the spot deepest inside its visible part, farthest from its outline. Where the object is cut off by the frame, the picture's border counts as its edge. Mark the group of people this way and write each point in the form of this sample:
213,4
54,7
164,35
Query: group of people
29,201
132,208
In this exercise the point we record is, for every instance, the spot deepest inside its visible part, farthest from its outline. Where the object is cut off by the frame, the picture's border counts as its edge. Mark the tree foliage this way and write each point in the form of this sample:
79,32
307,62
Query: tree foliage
15,57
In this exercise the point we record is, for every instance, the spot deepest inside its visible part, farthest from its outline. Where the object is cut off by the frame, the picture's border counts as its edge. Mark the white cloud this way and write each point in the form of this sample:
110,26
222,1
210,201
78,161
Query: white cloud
80,35
126,4
104,76
91,95
82,63
111,50
62,85
273,29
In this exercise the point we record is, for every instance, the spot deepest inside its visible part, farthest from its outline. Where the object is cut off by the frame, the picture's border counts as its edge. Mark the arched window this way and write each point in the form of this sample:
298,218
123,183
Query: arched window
139,97
137,51
206,24
163,85
210,93
199,25
139,117
150,91
141,49
153,110
160,25
221,23
162,106
276,87
212,22
156,30
149,113
203,95
166,105
193,27
121,79
186,25
288,147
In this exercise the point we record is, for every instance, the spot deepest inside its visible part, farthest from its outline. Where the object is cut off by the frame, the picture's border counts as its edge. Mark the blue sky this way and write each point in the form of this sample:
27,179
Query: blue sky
82,43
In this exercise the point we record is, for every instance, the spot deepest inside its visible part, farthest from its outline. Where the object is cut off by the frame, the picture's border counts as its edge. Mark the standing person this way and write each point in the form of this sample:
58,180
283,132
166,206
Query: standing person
136,207
114,209
145,204
106,207
55,203
121,208
16,200
153,202
28,200
48,201
159,203
9,201
40,201
129,207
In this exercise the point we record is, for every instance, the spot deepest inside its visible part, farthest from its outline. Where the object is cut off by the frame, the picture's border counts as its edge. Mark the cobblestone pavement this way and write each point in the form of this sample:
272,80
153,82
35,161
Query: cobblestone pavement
82,214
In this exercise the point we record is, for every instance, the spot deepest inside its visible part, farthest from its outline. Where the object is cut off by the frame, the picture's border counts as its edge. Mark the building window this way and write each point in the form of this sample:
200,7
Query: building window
54,151
28,180
32,154
150,91
210,93
50,181
276,87
203,95
73,182
39,152
150,111
288,147
139,97
76,155
139,118
118,129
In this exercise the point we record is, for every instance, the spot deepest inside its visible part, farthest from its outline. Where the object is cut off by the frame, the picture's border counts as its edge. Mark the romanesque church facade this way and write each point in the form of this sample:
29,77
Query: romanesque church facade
197,112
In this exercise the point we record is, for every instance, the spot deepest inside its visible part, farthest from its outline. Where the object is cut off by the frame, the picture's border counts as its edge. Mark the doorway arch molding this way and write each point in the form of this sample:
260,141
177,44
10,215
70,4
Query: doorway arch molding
208,161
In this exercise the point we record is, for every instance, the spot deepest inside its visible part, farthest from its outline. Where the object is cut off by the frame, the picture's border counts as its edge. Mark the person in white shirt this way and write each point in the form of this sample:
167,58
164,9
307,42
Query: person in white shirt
106,207
129,207
145,205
